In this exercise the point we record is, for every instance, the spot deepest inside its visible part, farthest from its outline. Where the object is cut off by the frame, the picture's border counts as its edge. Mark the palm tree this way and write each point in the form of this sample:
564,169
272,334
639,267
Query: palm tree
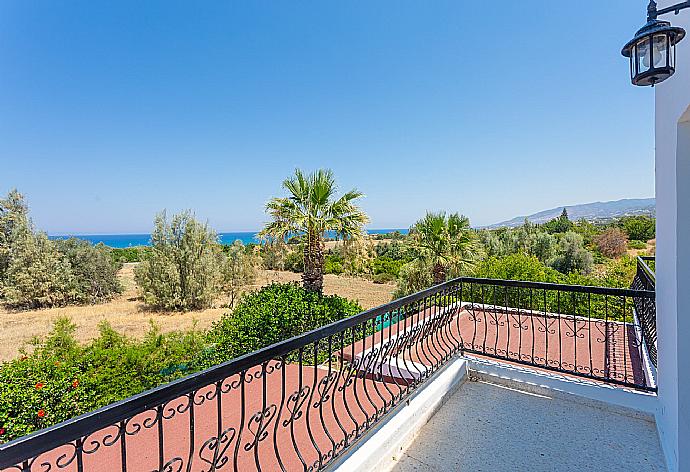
309,211
446,244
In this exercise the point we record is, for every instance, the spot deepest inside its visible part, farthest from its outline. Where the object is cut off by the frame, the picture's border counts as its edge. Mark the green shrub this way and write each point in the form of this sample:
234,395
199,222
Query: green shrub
516,267
642,228
333,264
634,244
61,379
272,314
394,250
273,254
183,269
239,269
385,265
383,278
94,274
37,274
129,254
413,277
561,224
294,260
571,255
13,213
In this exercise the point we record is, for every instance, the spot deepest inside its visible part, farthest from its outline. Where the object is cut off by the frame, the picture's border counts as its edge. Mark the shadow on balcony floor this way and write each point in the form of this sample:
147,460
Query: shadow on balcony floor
490,427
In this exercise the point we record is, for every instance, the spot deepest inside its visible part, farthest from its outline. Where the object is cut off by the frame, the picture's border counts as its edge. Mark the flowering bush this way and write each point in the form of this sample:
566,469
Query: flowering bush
61,379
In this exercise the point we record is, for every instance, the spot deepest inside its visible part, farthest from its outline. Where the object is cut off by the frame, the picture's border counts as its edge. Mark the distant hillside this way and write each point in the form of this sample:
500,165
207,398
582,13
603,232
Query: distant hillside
590,211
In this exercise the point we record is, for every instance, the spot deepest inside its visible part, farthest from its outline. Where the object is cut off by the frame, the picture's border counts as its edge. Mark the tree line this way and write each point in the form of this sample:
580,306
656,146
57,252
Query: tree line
186,268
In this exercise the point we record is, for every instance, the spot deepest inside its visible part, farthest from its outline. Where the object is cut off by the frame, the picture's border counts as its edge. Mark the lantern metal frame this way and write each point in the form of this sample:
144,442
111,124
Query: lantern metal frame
654,30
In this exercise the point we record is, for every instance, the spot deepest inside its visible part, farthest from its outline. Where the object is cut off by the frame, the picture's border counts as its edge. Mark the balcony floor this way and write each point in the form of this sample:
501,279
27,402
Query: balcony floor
491,427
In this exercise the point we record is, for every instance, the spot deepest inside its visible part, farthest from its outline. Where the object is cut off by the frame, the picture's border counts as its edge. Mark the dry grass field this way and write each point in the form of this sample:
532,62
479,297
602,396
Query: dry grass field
128,315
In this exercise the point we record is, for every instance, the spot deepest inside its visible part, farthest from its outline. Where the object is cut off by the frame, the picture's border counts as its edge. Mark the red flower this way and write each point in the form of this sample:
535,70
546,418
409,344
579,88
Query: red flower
23,358
2,431
75,384
40,385
41,413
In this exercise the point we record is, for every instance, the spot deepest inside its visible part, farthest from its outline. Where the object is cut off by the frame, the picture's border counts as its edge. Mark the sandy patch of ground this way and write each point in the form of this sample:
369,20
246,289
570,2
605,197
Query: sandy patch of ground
128,315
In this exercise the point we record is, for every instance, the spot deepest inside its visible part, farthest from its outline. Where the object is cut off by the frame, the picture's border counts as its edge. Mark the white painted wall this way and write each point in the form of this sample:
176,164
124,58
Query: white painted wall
673,253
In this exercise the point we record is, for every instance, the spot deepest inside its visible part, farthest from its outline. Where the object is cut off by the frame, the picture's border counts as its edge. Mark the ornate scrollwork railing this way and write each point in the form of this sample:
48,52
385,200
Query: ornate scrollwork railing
299,404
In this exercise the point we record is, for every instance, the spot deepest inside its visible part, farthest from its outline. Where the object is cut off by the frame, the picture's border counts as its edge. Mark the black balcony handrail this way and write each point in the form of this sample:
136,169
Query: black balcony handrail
387,351
645,308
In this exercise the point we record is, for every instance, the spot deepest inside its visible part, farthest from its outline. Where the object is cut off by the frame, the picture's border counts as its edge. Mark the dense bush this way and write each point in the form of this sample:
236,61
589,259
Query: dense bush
61,379
238,269
385,265
637,244
183,271
571,255
383,278
93,272
543,246
37,272
642,228
129,254
413,277
273,254
333,264
395,250
357,256
13,214
274,313
516,267
294,260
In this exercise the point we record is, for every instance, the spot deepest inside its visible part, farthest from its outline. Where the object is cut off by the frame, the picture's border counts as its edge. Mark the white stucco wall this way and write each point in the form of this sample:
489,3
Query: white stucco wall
673,253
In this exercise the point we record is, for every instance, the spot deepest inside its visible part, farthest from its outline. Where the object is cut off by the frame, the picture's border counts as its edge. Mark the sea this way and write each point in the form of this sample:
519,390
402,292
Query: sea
132,240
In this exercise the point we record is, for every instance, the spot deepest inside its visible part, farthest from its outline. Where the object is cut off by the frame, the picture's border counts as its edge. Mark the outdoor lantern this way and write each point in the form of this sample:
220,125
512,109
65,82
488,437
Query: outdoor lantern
652,51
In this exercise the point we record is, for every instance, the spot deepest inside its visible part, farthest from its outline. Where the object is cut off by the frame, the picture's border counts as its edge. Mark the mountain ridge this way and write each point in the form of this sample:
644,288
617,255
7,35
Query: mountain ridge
589,211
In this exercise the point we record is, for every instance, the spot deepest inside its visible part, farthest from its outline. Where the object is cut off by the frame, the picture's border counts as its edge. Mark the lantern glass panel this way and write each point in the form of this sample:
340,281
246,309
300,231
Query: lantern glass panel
642,55
660,50
672,56
632,63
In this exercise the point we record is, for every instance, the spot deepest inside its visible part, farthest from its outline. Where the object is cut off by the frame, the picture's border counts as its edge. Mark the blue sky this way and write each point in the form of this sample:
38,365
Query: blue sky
112,111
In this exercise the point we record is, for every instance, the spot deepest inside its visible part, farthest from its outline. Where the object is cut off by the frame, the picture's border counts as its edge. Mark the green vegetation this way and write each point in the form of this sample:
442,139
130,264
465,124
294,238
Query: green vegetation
187,269
642,228
274,313
637,244
445,244
309,212
183,269
60,378
36,272
238,269
130,254
559,251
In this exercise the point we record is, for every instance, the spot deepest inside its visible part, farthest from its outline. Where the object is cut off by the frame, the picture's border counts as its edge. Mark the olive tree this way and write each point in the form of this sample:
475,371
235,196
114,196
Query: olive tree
37,275
183,270
37,272
571,255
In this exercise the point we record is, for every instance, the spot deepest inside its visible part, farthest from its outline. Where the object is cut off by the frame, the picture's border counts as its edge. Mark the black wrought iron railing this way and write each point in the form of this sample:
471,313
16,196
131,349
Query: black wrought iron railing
645,308
299,404
584,331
